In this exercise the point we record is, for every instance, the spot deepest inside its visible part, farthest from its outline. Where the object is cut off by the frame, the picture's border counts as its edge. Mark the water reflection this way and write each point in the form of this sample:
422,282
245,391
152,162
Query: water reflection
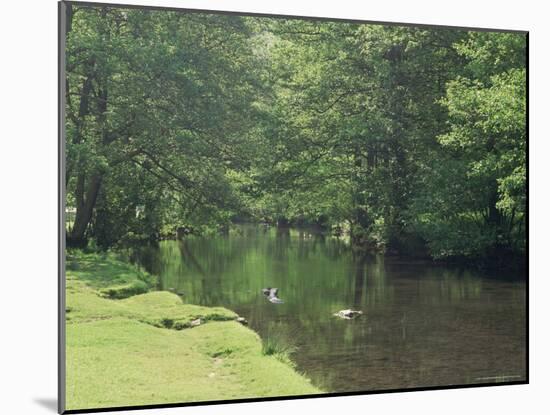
424,325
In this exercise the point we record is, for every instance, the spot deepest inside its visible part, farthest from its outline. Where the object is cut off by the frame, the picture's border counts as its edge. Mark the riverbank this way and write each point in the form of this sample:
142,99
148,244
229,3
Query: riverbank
128,345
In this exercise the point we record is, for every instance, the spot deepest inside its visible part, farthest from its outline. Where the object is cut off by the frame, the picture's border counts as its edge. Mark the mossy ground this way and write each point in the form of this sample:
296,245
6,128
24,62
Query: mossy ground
104,272
142,350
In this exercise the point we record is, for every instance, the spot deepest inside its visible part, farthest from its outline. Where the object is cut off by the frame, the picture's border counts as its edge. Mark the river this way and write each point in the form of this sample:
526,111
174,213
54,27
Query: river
423,324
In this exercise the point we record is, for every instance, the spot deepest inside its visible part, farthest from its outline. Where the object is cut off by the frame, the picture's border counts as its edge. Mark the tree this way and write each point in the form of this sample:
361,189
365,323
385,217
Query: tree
487,142
160,91
411,139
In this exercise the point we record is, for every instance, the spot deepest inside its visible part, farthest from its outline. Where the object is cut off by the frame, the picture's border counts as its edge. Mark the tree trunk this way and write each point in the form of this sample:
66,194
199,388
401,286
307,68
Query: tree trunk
494,216
87,189
84,210
362,220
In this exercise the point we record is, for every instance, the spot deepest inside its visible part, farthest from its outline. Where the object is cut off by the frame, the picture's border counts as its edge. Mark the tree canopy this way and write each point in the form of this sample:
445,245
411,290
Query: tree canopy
412,140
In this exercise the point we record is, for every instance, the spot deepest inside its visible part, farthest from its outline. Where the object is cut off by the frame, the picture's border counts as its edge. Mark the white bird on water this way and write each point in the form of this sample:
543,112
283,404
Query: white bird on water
348,314
271,294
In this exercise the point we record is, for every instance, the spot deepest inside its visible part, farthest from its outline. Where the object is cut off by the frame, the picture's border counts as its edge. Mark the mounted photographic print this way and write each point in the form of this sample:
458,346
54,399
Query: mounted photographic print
264,207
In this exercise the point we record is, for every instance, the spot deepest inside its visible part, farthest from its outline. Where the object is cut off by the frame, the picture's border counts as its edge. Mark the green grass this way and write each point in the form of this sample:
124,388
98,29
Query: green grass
107,274
279,347
142,350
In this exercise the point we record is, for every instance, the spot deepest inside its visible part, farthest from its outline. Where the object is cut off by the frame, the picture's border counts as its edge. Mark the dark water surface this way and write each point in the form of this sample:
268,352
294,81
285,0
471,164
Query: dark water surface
423,325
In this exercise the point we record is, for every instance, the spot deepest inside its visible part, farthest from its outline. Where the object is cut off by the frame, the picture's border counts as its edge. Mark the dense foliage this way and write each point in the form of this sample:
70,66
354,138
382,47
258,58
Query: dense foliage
413,140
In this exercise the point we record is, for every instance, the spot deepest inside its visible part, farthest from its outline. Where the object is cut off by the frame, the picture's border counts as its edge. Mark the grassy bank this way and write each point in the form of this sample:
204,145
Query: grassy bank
129,346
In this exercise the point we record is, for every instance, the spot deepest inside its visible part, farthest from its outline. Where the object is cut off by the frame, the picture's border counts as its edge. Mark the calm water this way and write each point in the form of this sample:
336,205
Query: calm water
424,325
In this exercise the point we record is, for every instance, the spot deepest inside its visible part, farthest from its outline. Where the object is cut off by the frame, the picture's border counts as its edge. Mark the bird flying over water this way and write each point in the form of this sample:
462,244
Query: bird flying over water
271,294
